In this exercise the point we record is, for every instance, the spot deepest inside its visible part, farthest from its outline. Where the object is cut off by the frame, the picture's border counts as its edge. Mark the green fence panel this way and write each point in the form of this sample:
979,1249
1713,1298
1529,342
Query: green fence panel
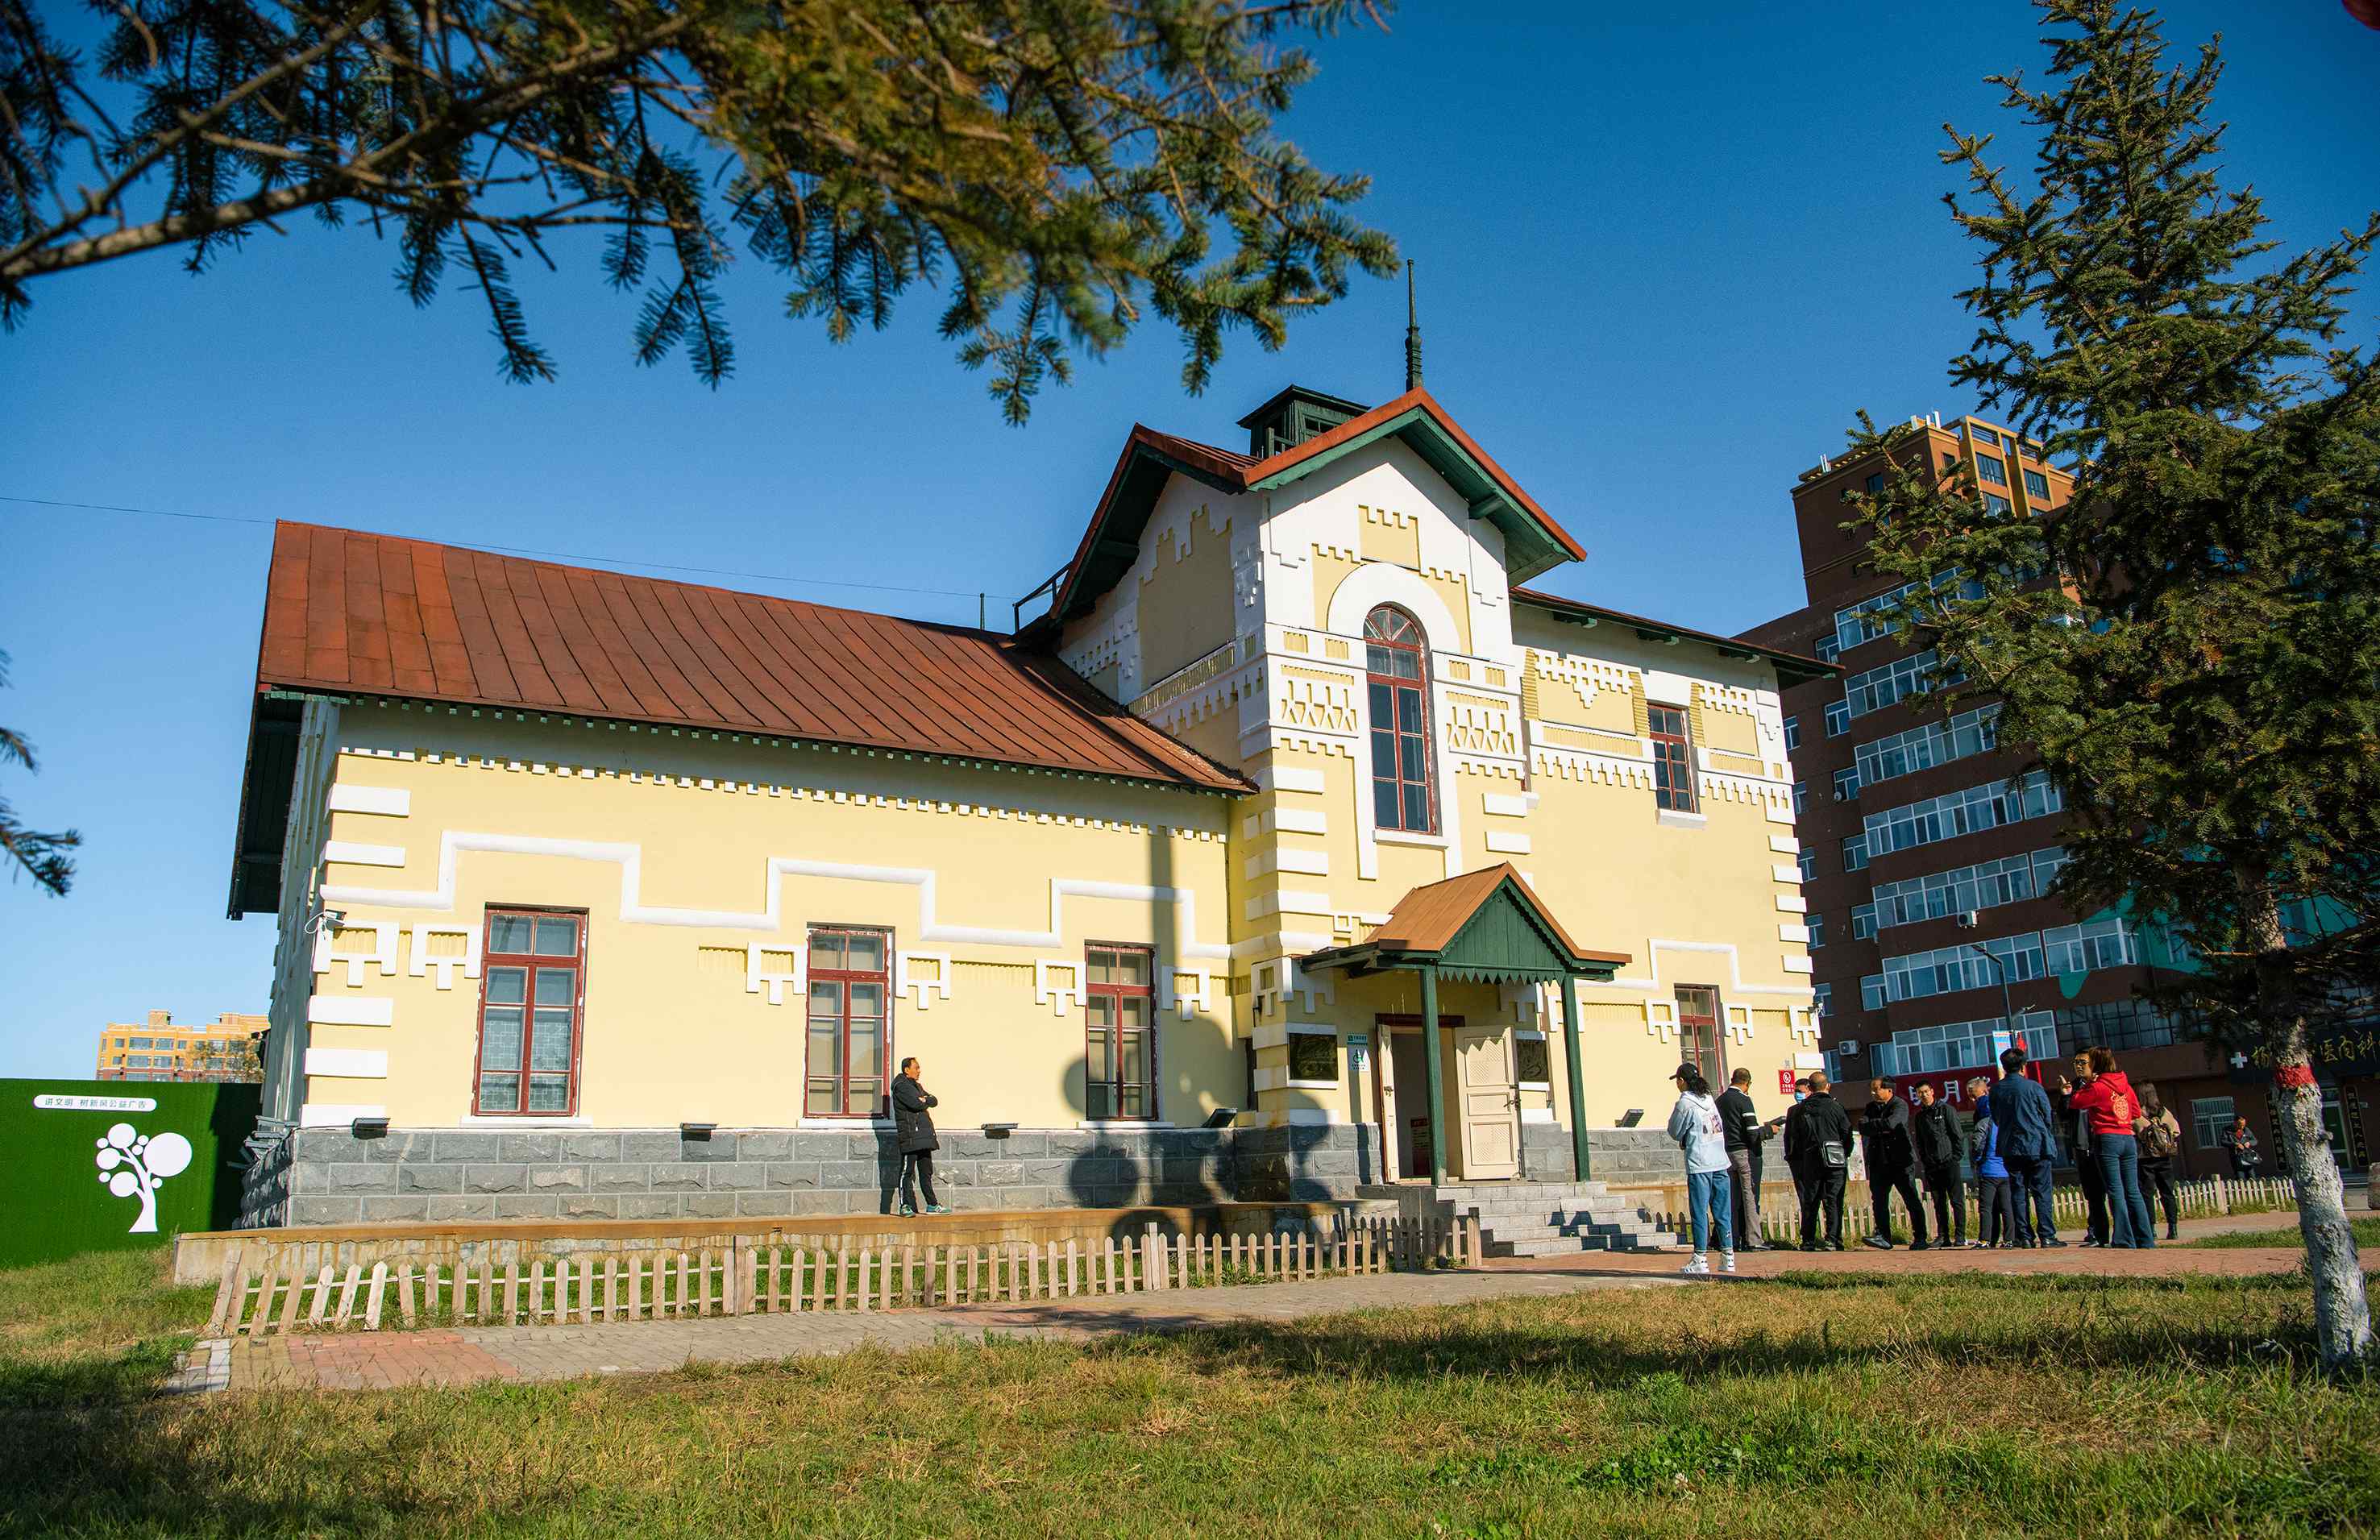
107,1165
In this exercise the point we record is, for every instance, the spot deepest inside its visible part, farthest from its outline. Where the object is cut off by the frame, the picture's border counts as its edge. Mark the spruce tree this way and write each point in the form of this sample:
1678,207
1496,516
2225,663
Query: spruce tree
2191,646
46,858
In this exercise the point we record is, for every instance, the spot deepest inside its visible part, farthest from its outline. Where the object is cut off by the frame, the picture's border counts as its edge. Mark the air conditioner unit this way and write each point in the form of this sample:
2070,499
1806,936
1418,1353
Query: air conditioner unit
1847,1047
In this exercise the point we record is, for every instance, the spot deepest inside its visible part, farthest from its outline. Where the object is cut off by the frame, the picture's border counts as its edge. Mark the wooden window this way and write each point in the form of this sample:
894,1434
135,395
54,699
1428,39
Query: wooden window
1121,1041
1314,1059
850,1020
532,1002
1397,664
1698,1032
1673,759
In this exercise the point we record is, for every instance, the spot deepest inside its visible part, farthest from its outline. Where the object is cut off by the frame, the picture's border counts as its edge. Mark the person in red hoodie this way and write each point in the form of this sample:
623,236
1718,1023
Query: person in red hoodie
2107,1100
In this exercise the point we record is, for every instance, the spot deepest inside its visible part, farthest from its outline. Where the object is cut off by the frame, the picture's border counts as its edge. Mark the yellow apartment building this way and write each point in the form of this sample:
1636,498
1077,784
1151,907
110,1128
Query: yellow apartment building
230,1049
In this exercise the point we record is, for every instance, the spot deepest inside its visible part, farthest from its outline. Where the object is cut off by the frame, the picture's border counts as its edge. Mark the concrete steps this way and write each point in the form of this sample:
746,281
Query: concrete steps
1544,1218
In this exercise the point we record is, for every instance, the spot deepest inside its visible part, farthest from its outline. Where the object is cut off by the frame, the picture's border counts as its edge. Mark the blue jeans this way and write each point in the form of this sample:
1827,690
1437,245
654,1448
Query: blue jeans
2130,1221
1711,1207
2030,1180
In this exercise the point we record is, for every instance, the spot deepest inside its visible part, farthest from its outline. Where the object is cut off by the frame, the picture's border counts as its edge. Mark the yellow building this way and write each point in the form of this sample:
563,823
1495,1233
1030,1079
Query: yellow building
231,1049
607,897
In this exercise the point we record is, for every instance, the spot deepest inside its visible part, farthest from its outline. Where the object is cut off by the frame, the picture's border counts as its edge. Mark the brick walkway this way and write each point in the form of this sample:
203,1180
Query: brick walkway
471,1355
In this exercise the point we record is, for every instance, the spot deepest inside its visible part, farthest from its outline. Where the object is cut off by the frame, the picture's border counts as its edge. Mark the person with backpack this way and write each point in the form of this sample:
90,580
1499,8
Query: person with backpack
2109,1101
1695,1123
1818,1147
1995,1214
2160,1138
1940,1135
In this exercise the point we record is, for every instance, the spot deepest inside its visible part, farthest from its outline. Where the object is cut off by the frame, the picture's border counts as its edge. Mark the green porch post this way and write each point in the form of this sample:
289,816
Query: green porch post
1436,1075
1577,1076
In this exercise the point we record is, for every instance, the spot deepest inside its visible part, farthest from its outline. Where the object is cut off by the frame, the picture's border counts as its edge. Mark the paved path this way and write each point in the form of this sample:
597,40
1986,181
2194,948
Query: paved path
473,1355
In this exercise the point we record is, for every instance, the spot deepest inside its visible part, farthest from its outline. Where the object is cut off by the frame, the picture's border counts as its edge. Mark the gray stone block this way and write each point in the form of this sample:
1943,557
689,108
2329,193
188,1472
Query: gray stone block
855,1173
1068,1142
832,1201
718,1149
619,1179
469,1146
462,1208
430,1179
738,1178
380,1210
398,1145
592,1149
326,1144
1001,1173
528,1208
709,1206
557,1179
362,1179
495,1179
674,1178
325,1210
651,1147
1020,1146
1047,1173
587,1206
648,1205
831,1147
969,1146
764,1148
528,1148
794,1173
310,1176
764,1204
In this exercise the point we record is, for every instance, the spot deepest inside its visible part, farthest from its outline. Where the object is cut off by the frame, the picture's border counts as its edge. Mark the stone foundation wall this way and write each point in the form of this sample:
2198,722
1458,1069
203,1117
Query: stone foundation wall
1618,1156
264,1180
471,1174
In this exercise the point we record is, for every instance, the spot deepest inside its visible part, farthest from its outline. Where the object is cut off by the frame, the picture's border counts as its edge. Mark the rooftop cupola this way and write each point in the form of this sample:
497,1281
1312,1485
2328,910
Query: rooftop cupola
1292,417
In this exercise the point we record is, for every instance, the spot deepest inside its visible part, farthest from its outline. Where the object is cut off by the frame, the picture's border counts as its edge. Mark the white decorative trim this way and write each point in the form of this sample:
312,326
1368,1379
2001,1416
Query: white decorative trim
1304,863
1502,844
924,987
1661,1019
1535,1114
384,950
1784,845
387,801
800,979
1525,1002
1672,818
336,1114
1118,1123
1294,901
1289,820
1184,1001
1275,981
1289,778
348,1063
1738,1023
1781,812
351,1010
355,854
1805,1029
1060,997
1508,805
421,960
1655,946
1796,964
1302,1117
1269,1077
630,860
1787,874
1793,933
1792,904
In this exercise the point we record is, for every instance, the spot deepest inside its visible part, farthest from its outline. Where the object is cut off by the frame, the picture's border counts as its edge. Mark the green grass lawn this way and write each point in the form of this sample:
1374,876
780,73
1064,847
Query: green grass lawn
1896,1405
2367,1237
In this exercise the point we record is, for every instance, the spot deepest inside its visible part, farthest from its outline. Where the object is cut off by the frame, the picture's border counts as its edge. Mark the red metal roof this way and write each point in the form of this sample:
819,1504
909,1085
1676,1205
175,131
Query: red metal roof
351,612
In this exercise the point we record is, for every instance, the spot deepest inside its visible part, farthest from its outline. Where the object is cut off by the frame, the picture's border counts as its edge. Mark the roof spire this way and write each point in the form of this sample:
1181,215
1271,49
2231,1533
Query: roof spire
1413,334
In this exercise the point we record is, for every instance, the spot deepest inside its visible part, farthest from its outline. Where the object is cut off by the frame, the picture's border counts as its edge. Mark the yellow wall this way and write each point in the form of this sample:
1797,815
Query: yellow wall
1185,609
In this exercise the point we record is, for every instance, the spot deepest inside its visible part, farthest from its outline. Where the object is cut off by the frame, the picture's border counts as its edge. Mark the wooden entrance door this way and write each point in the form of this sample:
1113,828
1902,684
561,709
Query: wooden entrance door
1491,1122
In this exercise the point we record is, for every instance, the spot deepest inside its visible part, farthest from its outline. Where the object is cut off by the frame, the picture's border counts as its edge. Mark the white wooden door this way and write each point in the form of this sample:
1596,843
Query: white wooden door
1490,1128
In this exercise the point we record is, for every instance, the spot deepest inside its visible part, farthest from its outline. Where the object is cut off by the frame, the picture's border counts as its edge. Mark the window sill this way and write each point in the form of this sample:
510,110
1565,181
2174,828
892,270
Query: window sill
1313,1084
1125,1123
1408,837
842,1125
1670,820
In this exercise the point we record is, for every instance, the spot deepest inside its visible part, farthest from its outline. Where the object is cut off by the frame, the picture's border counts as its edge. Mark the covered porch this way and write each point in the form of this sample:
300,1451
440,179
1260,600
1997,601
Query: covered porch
1483,927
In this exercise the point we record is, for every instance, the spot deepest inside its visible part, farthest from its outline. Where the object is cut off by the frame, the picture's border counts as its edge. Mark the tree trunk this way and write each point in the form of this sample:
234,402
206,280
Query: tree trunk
2342,1318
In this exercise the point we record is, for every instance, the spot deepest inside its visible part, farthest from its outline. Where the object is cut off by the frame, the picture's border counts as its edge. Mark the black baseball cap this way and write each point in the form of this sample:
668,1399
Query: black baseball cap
1685,1072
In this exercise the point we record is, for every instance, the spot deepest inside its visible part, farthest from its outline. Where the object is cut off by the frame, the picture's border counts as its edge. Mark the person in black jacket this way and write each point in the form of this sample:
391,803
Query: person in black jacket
1884,1136
1745,1134
1818,1147
913,1131
1940,1135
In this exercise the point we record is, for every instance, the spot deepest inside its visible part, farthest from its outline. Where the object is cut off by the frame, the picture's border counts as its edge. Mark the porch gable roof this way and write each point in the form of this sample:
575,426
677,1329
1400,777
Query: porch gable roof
1487,924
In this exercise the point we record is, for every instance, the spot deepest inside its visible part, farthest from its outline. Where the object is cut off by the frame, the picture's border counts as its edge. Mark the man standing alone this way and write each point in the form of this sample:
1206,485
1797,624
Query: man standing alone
913,1131
2028,1126
1818,1147
1883,1136
1941,1138
1745,1134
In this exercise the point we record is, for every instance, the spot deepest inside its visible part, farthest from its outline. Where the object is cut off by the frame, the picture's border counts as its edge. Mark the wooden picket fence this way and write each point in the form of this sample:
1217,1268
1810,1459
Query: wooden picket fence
2208,1197
743,1278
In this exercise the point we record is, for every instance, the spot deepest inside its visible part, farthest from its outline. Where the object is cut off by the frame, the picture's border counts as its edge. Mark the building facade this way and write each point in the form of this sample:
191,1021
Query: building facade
601,896
229,1050
1928,847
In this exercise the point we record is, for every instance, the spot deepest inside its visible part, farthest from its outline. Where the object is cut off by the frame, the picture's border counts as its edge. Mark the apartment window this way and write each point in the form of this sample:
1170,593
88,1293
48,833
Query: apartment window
2210,1118
1984,885
1698,1031
1826,651
1673,759
2107,943
2001,506
850,1026
1121,1011
1825,1000
1887,683
1855,853
1839,718
1863,921
1808,861
2046,865
1847,785
1992,469
1397,663
532,997
1956,813
1816,923
1935,743
1876,482
1801,796
1871,992
1947,970
2036,485
1792,734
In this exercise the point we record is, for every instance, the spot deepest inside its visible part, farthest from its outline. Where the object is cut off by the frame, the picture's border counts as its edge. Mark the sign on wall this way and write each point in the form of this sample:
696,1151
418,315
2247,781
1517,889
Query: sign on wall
93,1169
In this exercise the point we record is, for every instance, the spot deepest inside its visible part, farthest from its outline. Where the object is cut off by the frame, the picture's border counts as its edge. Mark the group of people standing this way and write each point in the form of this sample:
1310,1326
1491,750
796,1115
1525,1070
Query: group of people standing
2124,1147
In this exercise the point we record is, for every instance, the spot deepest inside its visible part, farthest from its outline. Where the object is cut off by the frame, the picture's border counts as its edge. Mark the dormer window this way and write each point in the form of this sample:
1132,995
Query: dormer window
1396,661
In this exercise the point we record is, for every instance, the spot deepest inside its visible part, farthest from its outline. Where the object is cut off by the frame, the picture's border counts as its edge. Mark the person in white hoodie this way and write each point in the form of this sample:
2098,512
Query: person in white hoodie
1695,1124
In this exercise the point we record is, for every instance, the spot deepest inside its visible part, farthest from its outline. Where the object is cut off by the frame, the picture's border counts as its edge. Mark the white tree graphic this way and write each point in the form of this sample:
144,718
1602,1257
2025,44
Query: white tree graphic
132,1162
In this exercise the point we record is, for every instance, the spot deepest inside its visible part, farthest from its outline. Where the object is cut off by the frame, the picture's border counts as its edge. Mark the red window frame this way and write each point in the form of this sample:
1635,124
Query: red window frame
844,979
1673,757
1393,636
492,960
1116,995
1700,1041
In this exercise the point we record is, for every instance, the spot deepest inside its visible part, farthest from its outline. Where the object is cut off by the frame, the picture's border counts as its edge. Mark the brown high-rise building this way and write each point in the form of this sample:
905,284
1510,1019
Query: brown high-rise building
1919,853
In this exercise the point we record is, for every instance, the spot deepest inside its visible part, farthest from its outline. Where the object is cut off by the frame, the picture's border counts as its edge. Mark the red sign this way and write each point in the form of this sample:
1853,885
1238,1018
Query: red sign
1785,1082
1950,1086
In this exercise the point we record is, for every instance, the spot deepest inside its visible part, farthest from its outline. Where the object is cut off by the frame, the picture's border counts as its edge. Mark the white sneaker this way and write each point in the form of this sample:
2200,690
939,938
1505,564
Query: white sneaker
1700,1266
1726,1263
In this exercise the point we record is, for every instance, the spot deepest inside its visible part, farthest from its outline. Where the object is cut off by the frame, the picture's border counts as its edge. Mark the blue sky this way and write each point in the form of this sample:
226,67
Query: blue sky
1661,264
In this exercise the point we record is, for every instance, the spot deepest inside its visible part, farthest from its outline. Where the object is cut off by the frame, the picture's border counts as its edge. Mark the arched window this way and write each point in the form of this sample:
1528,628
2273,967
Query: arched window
1397,665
